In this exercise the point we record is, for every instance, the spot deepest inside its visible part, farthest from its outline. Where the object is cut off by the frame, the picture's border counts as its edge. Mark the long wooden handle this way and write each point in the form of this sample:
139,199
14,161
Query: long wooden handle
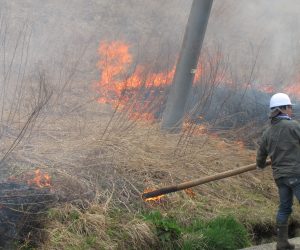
189,184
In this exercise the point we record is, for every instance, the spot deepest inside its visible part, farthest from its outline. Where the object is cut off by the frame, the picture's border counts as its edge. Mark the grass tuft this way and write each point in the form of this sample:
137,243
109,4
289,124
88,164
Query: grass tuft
221,233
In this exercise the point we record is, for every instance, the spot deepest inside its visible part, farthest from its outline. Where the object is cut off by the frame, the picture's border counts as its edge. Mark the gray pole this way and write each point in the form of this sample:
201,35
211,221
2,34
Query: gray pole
186,65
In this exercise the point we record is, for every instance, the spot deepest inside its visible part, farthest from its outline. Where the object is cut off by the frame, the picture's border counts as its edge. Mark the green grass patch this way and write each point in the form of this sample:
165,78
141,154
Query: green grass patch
226,233
168,230
221,233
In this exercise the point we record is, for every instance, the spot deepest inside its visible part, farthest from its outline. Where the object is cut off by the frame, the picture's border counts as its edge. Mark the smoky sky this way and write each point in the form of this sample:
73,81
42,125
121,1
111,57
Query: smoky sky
262,30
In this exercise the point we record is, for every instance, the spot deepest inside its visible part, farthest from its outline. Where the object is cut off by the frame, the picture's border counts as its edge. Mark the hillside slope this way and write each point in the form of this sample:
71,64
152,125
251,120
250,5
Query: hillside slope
118,162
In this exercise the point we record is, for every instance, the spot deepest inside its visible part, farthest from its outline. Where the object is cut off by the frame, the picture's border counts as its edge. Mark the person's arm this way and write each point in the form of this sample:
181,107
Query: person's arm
296,130
262,153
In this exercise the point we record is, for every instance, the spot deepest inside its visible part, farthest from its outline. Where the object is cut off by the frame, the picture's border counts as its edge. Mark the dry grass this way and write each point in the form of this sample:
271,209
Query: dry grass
111,171
93,228
70,227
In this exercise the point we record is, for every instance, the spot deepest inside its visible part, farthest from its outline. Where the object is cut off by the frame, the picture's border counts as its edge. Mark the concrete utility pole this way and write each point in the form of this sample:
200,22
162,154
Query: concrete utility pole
186,65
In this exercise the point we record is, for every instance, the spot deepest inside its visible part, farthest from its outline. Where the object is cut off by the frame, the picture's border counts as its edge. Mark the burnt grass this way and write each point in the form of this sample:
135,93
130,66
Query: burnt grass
266,233
23,213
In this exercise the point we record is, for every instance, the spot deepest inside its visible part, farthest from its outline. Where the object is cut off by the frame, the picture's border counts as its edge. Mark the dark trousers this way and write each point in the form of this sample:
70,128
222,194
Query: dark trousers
287,188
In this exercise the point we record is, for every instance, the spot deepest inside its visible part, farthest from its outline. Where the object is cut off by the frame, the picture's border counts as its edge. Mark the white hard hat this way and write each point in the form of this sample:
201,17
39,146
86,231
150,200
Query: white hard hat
280,99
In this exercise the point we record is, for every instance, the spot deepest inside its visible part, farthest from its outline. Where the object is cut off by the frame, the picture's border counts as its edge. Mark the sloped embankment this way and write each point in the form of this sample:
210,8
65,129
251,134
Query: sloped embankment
120,165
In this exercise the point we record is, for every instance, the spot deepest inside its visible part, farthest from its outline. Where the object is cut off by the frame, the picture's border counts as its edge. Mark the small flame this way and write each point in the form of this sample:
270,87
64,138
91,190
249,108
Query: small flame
152,199
40,180
190,192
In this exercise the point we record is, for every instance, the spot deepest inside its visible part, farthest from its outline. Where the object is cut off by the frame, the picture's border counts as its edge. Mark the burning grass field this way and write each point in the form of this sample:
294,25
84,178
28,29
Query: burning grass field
99,173
96,155
97,159
81,139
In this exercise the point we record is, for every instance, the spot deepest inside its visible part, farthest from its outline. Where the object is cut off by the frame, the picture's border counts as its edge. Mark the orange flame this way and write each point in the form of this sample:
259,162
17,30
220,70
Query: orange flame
153,199
121,81
293,89
190,192
40,180
123,84
115,58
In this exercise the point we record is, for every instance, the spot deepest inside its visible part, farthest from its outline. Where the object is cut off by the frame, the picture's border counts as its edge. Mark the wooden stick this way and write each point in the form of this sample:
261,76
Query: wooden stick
189,184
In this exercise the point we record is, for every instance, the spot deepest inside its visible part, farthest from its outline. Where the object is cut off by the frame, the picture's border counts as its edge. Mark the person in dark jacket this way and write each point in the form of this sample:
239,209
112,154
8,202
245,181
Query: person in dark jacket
281,141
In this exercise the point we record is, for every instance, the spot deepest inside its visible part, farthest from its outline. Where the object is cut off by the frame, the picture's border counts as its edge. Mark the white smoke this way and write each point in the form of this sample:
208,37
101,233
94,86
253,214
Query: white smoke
262,29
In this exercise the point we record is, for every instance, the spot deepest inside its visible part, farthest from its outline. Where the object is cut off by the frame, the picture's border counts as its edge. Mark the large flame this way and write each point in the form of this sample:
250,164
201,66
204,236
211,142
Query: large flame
141,90
115,58
121,81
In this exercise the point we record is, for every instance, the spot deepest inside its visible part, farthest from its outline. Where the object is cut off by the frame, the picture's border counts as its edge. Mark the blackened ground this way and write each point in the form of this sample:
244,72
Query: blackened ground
267,233
22,212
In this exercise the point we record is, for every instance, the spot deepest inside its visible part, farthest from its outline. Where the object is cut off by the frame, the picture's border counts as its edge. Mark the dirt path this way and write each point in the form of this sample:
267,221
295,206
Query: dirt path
272,246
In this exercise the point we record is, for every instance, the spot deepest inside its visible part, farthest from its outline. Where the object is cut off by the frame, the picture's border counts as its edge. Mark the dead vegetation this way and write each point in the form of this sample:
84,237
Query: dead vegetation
100,178
104,176
100,161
